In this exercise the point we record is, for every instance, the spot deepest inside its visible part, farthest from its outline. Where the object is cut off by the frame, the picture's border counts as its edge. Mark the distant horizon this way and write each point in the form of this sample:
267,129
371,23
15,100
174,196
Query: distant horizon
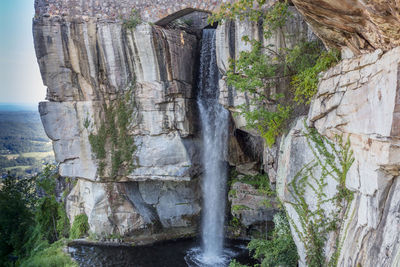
19,106
21,103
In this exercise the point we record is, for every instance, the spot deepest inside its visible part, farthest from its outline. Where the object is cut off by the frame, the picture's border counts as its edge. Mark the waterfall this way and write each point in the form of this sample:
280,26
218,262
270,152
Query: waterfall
214,122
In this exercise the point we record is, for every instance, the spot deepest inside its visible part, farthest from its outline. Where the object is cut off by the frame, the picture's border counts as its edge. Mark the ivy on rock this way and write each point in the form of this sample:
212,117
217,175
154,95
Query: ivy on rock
114,135
330,162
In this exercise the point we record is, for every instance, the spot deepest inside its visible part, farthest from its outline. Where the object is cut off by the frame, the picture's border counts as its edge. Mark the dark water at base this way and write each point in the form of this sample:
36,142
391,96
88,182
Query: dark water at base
166,254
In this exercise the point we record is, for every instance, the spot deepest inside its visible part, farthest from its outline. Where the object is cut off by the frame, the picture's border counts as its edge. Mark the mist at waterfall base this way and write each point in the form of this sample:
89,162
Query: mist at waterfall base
214,123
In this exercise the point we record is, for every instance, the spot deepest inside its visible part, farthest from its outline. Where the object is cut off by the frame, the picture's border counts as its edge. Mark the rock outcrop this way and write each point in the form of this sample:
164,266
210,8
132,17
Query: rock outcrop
90,62
88,65
362,26
357,99
252,209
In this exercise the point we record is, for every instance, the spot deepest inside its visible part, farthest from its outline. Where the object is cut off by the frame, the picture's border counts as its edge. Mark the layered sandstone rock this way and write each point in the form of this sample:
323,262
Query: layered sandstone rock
89,61
86,64
357,99
362,26
252,207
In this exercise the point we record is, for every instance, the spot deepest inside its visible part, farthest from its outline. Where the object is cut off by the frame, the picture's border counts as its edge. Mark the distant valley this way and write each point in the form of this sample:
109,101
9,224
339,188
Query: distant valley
24,146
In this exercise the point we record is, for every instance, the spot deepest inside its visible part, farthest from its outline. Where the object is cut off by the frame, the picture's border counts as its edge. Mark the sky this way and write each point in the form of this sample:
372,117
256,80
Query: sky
20,80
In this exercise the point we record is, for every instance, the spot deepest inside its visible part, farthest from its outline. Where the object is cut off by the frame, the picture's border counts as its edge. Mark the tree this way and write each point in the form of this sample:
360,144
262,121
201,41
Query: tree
17,200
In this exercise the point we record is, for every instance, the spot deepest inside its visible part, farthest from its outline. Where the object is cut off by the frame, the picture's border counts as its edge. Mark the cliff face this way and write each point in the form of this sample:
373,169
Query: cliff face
97,71
90,66
122,113
358,100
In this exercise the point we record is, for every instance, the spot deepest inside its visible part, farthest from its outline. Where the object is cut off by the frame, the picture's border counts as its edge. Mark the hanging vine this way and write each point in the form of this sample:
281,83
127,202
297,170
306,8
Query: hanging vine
113,135
330,162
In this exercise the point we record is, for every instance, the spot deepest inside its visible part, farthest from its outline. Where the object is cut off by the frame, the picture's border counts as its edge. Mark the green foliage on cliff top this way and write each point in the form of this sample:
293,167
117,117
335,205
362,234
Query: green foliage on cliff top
261,71
80,226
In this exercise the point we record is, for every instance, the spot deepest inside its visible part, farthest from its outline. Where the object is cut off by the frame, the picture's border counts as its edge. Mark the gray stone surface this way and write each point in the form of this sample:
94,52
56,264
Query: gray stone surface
130,207
161,11
357,99
256,207
85,63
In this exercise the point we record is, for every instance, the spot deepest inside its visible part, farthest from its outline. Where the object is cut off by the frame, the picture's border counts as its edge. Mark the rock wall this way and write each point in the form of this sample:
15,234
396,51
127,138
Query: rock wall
83,76
357,99
153,11
89,61
362,26
88,64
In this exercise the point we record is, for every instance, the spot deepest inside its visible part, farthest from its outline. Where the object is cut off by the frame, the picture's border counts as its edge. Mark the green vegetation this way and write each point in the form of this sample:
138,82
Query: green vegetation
278,249
113,135
261,71
331,161
305,82
80,227
33,224
16,204
51,256
234,263
239,207
133,20
259,181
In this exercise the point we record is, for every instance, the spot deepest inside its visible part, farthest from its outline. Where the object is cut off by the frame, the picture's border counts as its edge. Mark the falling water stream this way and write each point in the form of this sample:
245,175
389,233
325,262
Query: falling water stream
214,122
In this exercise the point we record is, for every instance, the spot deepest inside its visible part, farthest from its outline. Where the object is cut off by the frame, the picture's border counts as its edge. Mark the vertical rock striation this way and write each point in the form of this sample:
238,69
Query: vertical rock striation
357,99
88,64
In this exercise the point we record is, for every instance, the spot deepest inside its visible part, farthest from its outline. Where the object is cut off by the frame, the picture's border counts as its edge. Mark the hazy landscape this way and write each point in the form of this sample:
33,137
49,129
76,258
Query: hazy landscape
24,146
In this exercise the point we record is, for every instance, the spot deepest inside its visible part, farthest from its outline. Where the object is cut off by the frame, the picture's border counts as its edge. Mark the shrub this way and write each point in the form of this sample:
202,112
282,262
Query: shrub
16,216
279,249
47,217
235,263
305,83
52,256
62,222
80,227
133,20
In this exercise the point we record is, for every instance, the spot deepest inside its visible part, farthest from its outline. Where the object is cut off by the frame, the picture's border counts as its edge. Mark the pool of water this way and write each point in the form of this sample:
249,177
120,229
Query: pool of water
178,253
